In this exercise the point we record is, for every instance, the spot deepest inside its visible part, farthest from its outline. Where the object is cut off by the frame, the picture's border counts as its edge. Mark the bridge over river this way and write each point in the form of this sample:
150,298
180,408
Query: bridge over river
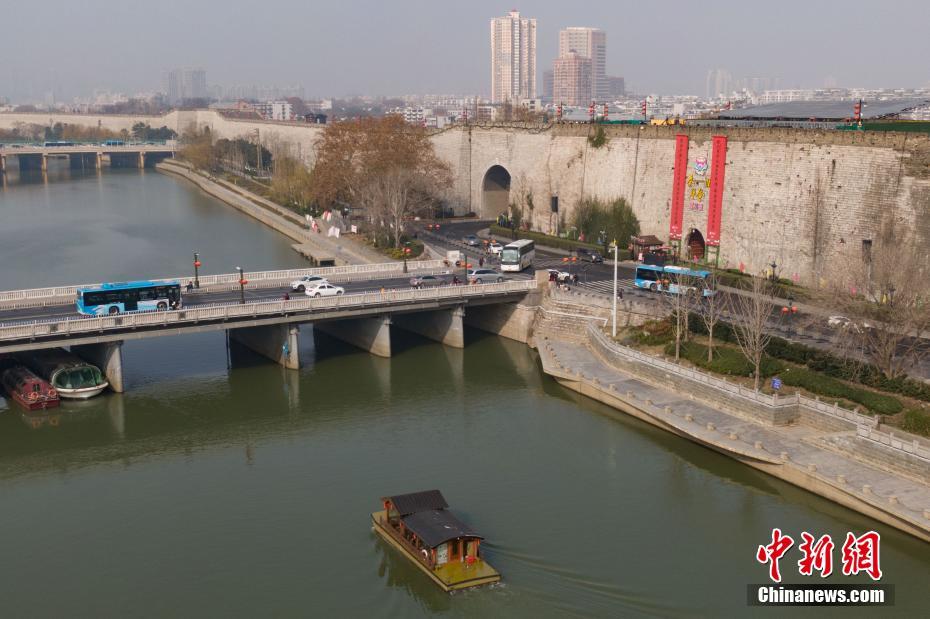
258,316
36,157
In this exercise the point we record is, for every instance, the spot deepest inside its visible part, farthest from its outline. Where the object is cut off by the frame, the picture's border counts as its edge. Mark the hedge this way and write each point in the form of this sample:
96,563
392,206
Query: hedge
830,387
543,239
726,361
825,363
916,422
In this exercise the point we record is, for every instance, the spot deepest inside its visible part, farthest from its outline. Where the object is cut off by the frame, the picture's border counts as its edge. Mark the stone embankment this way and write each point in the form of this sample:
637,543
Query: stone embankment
320,248
836,453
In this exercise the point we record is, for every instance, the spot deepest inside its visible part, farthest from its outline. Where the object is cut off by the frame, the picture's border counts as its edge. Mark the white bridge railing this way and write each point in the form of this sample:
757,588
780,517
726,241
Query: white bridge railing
263,309
346,272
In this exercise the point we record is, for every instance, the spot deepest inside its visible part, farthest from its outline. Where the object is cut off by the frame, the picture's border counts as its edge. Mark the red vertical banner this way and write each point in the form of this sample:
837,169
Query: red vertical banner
718,168
678,187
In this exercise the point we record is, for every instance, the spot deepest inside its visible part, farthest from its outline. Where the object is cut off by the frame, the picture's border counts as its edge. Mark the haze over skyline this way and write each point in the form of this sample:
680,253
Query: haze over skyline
414,46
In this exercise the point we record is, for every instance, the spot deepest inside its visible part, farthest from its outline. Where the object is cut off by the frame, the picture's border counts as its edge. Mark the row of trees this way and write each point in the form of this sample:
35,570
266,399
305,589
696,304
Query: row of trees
605,221
880,311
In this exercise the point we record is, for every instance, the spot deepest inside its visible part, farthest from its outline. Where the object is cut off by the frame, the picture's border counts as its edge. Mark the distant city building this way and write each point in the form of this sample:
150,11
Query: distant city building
181,84
719,84
275,110
513,58
590,43
548,84
572,79
616,88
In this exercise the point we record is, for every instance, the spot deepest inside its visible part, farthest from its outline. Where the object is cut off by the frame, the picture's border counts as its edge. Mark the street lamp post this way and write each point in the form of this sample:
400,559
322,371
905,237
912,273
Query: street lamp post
774,266
242,282
614,311
196,270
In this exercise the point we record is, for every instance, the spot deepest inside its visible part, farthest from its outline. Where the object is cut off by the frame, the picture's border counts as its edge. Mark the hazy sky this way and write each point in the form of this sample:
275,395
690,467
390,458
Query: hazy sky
442,46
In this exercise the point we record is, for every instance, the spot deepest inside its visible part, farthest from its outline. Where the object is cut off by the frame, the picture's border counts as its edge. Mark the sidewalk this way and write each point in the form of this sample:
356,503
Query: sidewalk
815,459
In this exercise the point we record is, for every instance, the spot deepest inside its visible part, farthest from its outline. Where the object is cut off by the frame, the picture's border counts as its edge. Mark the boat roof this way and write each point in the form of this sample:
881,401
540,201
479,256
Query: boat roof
414,502
436,526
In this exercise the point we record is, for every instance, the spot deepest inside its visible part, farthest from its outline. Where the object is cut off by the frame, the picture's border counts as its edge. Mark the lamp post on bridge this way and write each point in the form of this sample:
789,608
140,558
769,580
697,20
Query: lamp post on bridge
242,282
613,328
196,270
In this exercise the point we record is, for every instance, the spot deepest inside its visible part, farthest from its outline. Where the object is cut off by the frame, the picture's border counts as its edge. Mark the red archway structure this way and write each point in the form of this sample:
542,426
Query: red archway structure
696,245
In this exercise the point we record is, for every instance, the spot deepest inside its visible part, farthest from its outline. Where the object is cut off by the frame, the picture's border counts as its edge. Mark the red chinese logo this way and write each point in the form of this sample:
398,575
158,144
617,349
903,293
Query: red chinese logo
860,554
773,552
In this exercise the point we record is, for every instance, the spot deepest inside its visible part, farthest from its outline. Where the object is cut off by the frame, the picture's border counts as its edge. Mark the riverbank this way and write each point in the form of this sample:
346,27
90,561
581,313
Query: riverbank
838,454
319,248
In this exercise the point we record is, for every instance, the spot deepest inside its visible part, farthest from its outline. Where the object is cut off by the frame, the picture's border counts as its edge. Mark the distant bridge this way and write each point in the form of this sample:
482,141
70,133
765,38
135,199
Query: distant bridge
36,157
269,325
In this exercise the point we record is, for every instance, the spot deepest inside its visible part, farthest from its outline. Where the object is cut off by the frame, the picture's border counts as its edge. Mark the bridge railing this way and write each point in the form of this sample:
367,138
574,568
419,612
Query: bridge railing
261,309
346,272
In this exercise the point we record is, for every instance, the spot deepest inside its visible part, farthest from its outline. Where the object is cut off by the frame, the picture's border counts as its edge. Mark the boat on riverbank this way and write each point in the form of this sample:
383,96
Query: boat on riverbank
28,390
420,526
70,375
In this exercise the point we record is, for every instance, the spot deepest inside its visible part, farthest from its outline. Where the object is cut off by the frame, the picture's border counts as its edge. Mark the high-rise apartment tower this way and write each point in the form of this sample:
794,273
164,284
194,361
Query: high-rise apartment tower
513,58
590,43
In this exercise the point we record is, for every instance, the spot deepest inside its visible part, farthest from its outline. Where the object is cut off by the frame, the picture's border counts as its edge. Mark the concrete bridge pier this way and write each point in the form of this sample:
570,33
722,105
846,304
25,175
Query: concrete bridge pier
280,343
371,334
444,326
108,356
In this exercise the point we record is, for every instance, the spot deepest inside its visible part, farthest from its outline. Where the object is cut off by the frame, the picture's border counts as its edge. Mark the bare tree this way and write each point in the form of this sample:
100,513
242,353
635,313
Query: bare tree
887,298
750,311
393,197
711,308
679,296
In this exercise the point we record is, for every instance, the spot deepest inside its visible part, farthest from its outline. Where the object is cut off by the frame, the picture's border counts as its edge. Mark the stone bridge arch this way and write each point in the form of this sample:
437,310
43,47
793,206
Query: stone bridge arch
495,192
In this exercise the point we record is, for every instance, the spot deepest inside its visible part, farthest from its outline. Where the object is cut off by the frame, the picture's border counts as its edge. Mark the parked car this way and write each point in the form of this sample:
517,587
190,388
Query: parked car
471,240
495,248
589,255
844,323
307,281
427,281
484,276
324,289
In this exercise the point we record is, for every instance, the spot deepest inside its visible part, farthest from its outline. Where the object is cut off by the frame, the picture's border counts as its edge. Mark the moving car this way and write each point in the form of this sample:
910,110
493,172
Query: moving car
484,276
495,248
560,276
323,289
307,281
589,255
426,281
471,240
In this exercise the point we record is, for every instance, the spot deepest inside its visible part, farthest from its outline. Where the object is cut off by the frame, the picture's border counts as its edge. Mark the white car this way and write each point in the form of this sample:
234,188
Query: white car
307,281
323,289
842,322
560,276
495,248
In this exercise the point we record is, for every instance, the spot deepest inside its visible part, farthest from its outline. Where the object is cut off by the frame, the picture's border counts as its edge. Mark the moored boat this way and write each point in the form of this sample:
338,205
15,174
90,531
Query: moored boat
27,389
70,375
420,526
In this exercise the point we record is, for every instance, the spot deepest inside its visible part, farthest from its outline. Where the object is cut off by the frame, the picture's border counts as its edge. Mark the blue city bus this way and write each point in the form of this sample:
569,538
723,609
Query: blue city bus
116,298
669,279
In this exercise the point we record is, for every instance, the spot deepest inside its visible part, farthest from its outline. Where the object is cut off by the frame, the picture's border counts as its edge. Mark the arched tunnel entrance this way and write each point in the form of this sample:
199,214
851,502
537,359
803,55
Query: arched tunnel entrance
495,195
696,246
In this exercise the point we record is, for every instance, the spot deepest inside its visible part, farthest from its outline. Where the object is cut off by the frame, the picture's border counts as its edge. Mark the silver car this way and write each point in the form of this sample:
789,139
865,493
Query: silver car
484,276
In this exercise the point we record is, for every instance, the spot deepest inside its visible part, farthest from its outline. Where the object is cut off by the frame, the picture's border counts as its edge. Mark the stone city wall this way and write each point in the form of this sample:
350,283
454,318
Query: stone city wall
806,199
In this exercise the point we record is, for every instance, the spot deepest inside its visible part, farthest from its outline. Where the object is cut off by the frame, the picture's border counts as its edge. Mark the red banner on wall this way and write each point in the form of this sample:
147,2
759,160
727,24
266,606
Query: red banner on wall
678,186
718,168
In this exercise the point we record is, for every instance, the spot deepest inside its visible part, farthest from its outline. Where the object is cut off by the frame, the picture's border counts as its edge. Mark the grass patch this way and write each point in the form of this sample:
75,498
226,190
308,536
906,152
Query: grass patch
916,422
818,383
726,361
543,239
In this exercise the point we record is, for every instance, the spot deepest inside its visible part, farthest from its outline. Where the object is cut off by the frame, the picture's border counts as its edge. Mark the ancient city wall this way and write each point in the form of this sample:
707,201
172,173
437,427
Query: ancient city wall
806,199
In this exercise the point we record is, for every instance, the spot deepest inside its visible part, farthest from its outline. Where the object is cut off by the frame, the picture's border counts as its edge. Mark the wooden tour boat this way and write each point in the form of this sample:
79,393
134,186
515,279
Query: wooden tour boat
441,545
29,390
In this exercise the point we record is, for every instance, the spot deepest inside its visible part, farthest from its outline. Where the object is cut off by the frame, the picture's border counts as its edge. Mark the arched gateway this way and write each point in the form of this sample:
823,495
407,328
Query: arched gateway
696,245
495,192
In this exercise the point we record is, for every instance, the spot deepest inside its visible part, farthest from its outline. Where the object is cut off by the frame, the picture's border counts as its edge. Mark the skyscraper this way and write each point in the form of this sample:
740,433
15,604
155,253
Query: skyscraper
572,79
513,58
719,84
590,43
181,84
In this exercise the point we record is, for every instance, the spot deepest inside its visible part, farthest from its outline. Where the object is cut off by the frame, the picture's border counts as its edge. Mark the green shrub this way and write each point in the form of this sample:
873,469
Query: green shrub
830,387
727,361
655,333
916,422
543,239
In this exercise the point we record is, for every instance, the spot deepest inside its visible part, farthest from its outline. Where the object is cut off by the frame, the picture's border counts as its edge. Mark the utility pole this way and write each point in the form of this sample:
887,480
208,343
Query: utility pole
614,311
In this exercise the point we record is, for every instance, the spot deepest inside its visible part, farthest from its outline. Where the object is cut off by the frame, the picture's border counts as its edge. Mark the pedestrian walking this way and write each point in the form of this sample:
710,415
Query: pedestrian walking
481,262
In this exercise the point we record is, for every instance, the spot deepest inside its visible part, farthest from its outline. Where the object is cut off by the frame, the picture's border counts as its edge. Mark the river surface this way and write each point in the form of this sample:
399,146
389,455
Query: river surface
222,485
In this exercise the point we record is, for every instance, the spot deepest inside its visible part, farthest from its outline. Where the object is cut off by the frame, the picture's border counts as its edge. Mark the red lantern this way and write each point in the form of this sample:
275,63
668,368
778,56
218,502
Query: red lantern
794,309
784,310
197,263
406,250
243,282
